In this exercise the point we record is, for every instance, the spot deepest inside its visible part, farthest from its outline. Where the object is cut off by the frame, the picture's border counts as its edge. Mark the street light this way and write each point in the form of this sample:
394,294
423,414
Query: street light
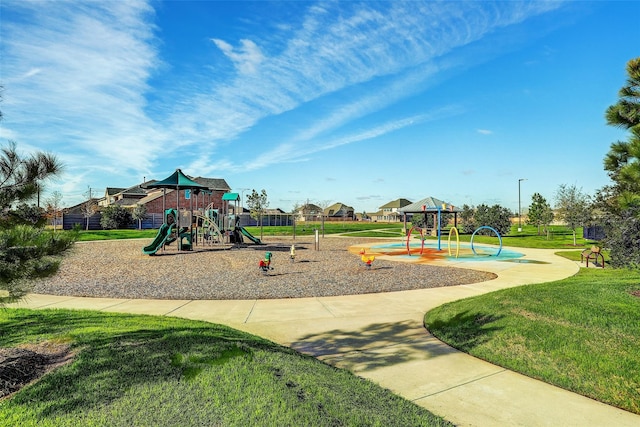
242,190
519,206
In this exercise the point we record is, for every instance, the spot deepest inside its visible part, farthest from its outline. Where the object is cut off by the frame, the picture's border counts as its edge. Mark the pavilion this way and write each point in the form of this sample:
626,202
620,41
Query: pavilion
430,205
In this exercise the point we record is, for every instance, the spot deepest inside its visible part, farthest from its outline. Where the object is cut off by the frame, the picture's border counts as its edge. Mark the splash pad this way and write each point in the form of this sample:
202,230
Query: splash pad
427,251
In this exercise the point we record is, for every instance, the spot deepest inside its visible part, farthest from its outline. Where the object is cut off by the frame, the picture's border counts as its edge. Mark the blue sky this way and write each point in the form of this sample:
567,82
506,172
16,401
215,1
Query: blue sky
353,102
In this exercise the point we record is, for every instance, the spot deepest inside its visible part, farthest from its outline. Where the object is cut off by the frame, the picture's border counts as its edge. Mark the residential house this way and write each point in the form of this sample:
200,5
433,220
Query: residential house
339,211
308,212
156,199
155,202
389,211
109,196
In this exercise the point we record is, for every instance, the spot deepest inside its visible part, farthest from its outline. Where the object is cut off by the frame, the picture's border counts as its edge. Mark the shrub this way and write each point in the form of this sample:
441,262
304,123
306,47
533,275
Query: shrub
623,238
467,221
115,216
495,216
27,252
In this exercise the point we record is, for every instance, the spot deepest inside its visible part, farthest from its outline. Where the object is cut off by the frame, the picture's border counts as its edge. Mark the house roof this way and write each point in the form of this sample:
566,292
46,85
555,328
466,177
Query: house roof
431,204
310,208
275,211
398,203
76,209
114,190
152,196
140,189
128,201
338,209
213,183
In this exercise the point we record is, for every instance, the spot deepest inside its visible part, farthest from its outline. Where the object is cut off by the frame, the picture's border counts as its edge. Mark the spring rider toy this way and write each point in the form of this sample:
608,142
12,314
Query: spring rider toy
265,264
368,260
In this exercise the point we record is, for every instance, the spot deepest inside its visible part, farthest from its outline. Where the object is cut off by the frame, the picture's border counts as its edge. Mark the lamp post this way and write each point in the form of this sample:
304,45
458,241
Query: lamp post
242,190
519,206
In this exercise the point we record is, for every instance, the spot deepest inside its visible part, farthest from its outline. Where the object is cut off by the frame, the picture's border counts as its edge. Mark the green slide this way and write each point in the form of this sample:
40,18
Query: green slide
250,236
161,238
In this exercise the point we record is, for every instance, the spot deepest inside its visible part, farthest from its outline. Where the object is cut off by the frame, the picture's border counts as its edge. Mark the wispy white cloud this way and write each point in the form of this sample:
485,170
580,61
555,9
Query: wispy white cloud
395,44
295,152
484,131
77,78
247,58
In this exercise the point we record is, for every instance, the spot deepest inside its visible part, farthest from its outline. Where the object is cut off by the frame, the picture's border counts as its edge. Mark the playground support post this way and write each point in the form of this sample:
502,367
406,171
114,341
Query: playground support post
519,205
439,233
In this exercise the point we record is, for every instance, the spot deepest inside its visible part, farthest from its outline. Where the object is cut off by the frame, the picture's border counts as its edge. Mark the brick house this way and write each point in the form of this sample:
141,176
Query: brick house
197,199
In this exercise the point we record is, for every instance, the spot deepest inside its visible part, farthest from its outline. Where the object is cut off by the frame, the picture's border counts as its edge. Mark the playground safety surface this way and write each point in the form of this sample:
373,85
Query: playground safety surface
119,269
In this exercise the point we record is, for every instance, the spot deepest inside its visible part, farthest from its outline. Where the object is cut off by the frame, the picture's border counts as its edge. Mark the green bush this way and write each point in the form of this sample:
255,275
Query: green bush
27,252
115,217
23,214
623,238
467,222
495,217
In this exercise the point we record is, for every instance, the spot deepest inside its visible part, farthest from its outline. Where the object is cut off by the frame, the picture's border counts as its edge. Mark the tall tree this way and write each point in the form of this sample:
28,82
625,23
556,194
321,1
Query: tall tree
139,213
257,204
25,251
573,207
623,160
88,209
467,219
496,217
540,212
22,177
54,207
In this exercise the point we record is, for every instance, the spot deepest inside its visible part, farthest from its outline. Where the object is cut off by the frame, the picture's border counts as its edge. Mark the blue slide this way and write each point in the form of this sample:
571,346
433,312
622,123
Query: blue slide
161,239
250,236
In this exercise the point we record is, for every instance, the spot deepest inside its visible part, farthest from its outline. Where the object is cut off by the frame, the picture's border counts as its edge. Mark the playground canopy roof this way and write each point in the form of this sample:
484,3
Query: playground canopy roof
231,197
431,204
179,181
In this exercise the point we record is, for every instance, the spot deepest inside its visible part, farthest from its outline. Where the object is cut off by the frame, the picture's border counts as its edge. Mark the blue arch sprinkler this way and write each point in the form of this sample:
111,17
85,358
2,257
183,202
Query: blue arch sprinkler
486,227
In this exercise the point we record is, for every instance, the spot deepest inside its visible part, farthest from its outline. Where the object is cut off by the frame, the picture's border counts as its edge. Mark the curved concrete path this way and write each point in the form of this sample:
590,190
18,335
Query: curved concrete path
381,337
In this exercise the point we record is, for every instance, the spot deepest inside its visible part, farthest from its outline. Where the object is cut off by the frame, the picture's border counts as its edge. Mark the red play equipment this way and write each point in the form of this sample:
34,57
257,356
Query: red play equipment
421,230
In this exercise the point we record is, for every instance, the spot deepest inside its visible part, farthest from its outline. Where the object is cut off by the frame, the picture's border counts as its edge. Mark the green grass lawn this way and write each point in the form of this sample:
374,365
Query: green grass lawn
581,333
307,228
89,235
159,371
559,237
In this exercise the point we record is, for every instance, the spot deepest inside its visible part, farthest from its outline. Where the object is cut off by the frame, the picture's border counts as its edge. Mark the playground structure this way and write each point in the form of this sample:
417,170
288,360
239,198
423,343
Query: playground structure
199,227
165,233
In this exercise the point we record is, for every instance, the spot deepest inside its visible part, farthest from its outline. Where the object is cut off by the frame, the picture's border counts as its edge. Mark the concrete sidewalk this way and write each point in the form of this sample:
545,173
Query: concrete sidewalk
381,337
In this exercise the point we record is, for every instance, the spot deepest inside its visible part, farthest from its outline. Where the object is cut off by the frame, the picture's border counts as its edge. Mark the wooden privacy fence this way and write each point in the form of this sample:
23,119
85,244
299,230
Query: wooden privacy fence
153,220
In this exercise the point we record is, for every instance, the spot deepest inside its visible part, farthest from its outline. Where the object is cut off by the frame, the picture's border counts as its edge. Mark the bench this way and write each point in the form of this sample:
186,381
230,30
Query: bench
592,254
